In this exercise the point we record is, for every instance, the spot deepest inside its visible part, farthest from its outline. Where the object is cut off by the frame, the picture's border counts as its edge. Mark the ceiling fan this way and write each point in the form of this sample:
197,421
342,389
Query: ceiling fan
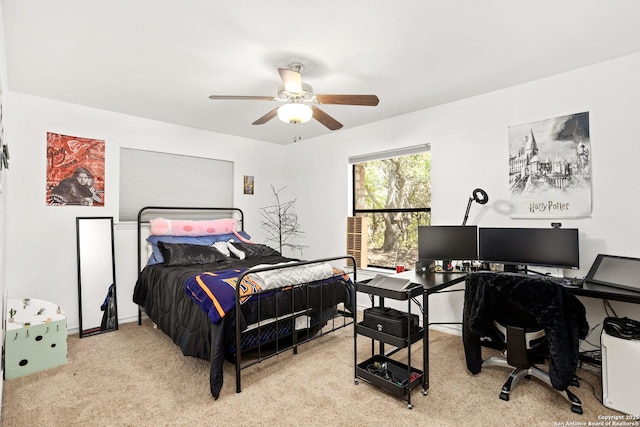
300,104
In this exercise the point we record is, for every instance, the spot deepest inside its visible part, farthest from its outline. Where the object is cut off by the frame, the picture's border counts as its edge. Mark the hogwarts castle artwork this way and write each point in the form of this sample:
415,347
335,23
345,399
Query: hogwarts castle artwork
550,168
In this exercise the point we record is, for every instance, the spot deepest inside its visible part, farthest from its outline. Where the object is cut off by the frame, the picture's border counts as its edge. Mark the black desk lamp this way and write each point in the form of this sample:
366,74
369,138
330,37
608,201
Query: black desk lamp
480,196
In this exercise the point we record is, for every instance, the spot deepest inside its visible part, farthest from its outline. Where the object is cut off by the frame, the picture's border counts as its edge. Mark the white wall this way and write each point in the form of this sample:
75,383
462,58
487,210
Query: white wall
470,150
41,260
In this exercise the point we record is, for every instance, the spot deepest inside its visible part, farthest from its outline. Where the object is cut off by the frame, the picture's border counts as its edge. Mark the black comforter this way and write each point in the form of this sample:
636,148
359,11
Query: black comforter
160,291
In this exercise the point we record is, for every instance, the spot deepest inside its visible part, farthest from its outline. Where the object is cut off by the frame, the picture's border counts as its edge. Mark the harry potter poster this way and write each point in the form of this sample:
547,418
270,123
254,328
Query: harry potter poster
75,171
550,168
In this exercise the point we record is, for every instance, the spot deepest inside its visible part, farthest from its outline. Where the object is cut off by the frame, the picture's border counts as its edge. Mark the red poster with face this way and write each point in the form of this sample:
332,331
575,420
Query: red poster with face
75,171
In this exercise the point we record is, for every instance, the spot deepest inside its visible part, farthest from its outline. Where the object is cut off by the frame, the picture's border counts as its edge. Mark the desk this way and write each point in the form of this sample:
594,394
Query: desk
593,290
435,282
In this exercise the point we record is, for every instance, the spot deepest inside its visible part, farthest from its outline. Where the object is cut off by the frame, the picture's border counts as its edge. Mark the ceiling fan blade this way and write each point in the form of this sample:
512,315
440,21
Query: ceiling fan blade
241,97
264,119
326,119
370,100
292,80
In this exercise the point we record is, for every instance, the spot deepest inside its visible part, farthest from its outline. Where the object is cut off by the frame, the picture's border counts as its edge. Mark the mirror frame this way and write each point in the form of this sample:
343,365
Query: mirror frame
96,330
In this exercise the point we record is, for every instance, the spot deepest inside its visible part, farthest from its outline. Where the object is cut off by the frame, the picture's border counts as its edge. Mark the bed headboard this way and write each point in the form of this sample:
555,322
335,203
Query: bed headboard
183,213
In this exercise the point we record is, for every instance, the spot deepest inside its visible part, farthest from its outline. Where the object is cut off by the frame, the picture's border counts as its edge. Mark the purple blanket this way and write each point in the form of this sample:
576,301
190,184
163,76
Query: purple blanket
215,292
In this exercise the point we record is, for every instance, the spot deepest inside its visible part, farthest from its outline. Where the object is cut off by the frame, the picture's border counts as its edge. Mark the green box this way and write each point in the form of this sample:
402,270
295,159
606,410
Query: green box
35,339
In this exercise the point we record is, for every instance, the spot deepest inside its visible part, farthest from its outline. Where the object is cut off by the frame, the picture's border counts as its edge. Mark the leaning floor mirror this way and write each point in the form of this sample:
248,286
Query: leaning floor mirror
98,311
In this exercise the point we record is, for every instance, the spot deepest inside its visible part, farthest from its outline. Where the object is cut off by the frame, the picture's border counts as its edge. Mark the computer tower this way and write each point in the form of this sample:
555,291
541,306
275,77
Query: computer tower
620,373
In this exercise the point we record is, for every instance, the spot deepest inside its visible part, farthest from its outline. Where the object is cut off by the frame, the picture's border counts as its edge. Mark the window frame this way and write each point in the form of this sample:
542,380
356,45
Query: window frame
354,161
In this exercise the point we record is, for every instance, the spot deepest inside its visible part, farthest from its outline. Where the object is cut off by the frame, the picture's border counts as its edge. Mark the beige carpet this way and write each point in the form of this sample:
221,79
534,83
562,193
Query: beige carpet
137,377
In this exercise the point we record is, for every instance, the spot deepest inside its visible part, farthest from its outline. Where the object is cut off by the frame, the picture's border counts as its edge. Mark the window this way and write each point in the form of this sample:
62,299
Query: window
393,190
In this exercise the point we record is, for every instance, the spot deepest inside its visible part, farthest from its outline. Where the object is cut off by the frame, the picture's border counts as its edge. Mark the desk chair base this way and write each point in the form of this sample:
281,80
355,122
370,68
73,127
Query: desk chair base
518,373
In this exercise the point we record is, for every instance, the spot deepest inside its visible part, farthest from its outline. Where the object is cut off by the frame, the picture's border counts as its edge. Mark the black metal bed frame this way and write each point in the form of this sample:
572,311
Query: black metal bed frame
294,345
335,324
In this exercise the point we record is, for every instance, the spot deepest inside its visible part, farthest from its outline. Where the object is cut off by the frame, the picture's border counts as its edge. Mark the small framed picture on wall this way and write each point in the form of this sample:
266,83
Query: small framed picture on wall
248,184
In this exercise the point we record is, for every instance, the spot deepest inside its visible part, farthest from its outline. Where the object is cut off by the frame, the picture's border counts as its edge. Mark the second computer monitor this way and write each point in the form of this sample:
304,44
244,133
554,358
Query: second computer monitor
550,247
448,242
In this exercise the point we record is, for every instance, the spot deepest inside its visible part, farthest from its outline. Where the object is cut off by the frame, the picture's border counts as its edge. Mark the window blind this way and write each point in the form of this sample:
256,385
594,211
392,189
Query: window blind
149,178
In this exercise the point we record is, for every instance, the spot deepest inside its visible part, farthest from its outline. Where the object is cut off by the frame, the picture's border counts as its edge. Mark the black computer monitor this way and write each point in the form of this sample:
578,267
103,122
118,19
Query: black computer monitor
448,242
548,247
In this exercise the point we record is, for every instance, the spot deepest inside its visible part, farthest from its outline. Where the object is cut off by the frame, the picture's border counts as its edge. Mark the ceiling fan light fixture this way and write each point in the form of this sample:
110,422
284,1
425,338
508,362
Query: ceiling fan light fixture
295,113
299,104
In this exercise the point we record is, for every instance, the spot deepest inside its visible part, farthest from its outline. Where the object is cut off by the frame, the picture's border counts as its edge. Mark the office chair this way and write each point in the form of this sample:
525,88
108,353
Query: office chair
525,346
532,320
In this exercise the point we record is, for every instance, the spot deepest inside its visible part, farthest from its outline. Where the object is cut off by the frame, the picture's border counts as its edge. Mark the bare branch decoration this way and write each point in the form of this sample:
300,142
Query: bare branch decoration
281,223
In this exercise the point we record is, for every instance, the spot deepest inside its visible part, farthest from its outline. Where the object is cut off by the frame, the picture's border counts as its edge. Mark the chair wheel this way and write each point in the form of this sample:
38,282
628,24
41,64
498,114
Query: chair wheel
409,406
576,409
355,381
504,396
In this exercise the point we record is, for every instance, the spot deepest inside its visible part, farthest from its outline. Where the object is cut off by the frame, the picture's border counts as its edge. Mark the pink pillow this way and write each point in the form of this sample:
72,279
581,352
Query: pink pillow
178,227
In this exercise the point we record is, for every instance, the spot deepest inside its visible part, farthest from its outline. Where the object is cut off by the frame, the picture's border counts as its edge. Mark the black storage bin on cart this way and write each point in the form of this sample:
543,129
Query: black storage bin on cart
390,321
398,329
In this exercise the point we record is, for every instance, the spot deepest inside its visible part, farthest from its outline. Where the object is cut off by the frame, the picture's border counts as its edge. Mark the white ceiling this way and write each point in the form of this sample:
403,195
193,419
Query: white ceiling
161,59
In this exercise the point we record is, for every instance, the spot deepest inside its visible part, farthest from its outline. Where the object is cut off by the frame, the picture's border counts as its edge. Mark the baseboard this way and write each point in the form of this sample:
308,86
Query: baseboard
127,319
448,329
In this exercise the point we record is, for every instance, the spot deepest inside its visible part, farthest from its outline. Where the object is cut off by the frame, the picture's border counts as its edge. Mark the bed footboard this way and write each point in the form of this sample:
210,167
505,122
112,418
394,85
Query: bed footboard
325,311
